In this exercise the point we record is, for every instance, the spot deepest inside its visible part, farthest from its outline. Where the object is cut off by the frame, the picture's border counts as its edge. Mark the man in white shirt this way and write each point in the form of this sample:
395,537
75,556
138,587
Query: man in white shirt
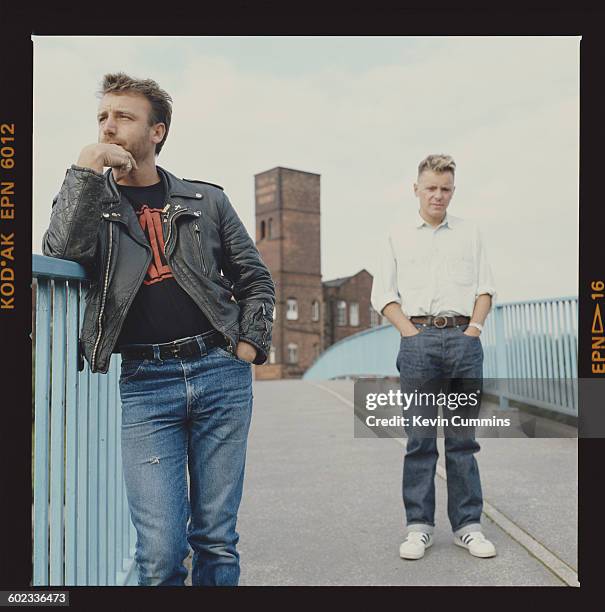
434,284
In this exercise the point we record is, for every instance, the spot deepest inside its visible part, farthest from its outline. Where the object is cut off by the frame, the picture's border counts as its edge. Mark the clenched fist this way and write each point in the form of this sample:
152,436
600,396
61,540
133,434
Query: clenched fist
103,155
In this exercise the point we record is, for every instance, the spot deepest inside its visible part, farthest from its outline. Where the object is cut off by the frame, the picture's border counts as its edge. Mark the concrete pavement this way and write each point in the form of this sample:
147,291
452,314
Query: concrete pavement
321,507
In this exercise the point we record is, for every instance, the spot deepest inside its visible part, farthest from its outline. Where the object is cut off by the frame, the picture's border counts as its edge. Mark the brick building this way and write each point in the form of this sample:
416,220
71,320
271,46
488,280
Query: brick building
308,314
288,238
347,308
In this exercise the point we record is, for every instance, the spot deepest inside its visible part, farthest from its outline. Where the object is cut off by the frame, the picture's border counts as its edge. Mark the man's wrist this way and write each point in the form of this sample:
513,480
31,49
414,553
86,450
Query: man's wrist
476,326
88,169
90,164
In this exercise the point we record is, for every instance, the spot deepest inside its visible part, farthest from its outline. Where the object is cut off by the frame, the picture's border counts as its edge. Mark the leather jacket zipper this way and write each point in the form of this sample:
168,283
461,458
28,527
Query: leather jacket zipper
170,228
266,324
199,244
104,296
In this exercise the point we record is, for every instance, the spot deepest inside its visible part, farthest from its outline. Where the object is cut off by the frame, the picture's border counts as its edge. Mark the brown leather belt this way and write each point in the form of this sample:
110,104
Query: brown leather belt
441,322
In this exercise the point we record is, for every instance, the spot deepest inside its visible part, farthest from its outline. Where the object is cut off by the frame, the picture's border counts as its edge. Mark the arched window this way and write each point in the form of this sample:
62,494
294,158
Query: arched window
354,314
272,355
292,353
341,313
315,311
292,309
262,230
270,228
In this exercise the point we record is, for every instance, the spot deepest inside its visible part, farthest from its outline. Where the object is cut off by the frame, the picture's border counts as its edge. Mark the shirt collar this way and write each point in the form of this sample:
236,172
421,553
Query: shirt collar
447,222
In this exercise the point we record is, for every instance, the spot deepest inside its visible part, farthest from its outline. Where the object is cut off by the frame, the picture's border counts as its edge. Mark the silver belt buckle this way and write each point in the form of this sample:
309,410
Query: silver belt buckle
437,324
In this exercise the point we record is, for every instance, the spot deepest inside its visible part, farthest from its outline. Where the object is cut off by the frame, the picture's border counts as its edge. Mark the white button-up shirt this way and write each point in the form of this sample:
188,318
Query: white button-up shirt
432,271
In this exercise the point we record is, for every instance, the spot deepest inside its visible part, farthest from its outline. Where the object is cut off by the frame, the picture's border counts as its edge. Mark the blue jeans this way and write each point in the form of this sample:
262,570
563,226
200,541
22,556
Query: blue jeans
179,413
441,360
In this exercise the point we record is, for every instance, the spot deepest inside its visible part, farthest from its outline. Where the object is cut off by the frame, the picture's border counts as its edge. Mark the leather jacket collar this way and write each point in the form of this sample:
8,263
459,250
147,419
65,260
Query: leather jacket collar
173,186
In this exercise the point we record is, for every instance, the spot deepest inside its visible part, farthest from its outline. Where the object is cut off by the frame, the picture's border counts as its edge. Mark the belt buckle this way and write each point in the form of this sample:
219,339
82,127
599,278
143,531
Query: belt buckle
437,324
175,349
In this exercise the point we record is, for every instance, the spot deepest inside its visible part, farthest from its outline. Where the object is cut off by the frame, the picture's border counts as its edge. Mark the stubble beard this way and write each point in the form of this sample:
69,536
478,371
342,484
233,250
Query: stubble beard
139,149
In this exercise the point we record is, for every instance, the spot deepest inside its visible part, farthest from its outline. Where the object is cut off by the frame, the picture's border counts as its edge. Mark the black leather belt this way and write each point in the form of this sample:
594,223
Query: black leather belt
441,322
177,349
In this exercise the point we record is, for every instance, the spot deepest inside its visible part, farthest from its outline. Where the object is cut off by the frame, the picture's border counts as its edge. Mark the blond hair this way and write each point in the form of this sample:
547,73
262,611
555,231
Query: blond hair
437,163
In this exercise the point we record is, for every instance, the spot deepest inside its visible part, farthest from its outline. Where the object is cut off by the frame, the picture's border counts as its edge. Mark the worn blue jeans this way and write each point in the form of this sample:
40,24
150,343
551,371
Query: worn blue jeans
448,361
177,414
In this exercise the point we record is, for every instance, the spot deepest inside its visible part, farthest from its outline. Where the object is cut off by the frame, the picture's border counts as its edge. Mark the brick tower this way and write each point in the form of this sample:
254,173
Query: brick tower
288,238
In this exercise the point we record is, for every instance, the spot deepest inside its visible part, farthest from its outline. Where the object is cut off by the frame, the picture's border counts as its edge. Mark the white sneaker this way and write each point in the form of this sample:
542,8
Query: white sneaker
415,544
477,544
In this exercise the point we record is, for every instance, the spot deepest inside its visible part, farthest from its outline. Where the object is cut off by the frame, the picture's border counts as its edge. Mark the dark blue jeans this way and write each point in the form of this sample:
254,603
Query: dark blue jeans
177,414
447,361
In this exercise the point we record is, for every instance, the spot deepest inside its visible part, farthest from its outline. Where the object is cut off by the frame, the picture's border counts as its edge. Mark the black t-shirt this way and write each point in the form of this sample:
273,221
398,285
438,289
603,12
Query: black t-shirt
161,311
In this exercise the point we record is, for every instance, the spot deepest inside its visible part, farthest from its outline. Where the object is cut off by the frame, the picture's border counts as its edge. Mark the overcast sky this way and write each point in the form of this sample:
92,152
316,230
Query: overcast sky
362,112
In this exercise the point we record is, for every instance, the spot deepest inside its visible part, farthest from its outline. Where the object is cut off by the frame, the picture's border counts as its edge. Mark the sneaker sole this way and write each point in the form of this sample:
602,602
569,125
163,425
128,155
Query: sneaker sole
479,555
416,557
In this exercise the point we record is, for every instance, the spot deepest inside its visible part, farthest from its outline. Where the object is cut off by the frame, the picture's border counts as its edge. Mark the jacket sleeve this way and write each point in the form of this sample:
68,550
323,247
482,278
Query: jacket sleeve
253,286
76,217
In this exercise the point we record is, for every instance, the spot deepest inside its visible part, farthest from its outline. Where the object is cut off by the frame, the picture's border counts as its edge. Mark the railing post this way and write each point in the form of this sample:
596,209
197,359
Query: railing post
82,487
103,492
501,364
111,474
71,435
57,434
41,432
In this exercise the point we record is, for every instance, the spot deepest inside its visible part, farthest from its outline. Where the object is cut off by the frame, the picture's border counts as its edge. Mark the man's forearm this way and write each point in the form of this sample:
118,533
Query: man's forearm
483,305
397,319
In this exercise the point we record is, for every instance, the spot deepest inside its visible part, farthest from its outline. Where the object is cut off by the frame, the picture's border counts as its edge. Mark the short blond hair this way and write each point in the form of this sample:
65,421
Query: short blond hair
437,163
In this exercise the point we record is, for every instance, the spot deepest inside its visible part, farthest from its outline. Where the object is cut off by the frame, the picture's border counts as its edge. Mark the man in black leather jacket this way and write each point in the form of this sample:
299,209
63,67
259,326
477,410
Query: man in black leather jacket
178,287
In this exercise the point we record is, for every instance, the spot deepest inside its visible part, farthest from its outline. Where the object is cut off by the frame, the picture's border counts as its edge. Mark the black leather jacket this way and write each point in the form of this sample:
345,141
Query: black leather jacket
92,225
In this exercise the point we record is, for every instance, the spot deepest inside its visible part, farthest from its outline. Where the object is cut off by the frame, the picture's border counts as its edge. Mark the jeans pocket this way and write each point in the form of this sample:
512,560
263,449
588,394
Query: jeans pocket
410,360
463,328
131,368
221,351
420,329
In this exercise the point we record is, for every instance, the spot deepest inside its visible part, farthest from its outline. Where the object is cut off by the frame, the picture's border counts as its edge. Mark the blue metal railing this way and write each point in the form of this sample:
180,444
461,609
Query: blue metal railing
530,347
82,529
